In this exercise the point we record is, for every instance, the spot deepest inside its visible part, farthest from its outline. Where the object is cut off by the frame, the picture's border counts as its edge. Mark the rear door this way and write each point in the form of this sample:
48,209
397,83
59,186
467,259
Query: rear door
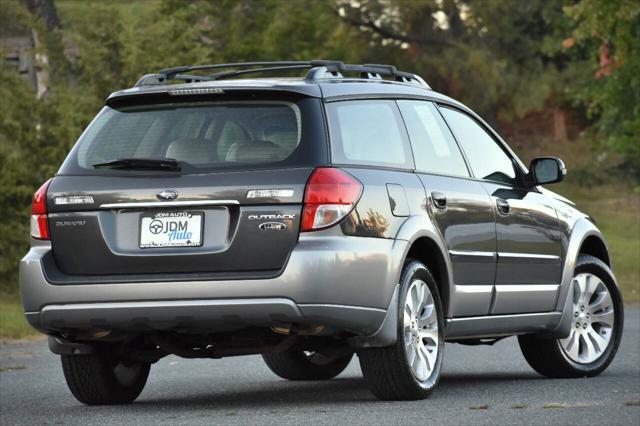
232,208
529,239
458,205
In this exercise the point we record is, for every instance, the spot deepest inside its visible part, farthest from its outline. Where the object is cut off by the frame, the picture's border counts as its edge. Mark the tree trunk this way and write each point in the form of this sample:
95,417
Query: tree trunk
560,125
44,10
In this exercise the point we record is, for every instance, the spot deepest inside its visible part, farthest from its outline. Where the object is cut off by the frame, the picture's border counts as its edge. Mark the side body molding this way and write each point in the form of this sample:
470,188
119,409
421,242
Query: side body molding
554,324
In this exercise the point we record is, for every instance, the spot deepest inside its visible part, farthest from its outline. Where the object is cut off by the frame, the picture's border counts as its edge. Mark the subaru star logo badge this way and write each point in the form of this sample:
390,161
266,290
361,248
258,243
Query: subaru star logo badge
167,195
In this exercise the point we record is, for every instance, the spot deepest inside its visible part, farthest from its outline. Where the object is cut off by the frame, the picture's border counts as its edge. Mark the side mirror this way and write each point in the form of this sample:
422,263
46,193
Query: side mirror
545,170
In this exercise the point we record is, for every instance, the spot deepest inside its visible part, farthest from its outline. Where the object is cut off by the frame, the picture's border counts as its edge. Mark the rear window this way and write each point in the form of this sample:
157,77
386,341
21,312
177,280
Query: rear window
368,133
205,136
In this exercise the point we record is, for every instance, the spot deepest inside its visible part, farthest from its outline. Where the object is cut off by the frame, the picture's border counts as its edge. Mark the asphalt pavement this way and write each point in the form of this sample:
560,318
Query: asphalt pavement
479,385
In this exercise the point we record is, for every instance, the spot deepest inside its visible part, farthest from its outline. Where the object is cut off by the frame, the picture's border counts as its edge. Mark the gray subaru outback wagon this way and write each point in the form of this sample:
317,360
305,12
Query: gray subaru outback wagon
352,211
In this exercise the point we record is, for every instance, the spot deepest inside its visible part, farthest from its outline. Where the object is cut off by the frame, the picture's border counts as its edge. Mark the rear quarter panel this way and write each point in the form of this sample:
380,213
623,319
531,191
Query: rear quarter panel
378,214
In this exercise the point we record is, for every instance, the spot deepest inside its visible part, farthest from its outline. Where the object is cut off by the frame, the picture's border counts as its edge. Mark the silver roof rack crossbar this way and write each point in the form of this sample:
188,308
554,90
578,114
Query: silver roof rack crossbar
319,69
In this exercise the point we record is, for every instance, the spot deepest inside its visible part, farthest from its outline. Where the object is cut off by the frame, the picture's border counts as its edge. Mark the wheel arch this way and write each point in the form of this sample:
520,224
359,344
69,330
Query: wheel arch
595,246
585,238
427,251
418,239
426,245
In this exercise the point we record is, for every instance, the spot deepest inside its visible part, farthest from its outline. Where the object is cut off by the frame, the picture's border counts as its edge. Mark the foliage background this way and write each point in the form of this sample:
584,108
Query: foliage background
522,64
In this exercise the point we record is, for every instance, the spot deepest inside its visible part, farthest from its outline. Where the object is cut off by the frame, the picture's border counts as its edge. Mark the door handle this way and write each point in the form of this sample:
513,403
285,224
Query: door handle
439,200
503,206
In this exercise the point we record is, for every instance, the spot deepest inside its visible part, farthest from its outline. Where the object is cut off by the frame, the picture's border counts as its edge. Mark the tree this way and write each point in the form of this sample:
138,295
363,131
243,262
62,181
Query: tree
114,44
609,33
463,45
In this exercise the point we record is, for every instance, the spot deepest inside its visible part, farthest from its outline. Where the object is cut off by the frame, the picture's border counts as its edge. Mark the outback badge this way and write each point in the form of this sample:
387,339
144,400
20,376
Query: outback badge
272,226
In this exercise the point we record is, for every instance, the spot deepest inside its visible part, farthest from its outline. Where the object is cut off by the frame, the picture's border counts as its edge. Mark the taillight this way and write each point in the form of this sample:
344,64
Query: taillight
329,197
39,219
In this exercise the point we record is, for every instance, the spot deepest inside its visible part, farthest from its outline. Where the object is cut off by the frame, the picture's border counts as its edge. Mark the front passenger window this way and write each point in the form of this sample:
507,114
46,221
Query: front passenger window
487,159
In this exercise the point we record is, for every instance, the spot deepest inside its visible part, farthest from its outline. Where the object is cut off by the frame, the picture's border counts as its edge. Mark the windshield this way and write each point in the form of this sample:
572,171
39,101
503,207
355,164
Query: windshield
199,136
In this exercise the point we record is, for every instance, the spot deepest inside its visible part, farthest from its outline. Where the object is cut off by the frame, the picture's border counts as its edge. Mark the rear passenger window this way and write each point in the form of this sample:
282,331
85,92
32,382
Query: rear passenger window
368,133
434,149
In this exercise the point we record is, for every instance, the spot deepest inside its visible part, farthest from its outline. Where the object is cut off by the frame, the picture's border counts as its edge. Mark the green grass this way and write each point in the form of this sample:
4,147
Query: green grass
616,211
13,325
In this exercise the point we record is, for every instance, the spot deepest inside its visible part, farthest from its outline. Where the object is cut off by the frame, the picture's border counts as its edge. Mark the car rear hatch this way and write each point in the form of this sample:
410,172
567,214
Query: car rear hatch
191,185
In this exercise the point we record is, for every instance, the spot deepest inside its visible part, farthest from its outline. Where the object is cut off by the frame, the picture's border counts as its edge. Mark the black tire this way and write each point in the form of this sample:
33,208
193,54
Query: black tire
546,356
102,379
298,365
387,371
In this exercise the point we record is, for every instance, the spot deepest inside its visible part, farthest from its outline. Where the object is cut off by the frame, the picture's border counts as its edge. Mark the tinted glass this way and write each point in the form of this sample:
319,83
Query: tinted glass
487,160
369,133
205,136
434,148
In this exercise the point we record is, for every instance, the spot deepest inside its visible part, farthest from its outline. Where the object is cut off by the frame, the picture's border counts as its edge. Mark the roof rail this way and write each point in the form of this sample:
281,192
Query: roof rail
319,69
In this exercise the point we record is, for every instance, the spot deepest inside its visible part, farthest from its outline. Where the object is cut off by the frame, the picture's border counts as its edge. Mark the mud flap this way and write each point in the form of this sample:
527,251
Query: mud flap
387,334
60,346
564,326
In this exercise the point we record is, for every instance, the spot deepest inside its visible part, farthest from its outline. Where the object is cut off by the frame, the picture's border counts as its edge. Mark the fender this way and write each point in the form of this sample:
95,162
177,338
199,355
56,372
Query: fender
412,229
420,226
582,229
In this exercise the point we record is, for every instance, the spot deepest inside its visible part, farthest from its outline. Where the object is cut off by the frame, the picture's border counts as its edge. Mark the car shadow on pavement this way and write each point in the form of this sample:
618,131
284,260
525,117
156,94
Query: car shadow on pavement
282,394
272,394
466,379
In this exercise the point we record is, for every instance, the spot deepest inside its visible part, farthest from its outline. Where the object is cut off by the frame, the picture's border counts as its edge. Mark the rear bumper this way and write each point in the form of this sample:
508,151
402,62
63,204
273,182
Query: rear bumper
341,282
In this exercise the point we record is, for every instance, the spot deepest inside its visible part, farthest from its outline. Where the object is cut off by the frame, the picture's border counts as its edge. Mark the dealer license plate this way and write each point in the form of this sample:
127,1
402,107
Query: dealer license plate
171,229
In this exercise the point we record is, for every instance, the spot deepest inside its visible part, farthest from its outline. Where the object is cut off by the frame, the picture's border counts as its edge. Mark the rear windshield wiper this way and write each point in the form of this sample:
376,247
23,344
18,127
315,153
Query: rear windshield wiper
168,164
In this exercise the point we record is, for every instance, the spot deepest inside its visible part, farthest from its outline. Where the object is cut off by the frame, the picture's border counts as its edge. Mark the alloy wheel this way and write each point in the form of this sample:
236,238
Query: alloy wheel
420,326
593,320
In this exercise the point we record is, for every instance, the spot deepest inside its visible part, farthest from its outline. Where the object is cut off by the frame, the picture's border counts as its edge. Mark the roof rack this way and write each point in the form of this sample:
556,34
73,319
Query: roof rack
319,69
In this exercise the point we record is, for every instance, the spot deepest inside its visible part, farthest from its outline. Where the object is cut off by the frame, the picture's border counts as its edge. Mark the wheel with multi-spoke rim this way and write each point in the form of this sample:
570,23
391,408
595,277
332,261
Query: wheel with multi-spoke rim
410,368
596,328
593,318
420,328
